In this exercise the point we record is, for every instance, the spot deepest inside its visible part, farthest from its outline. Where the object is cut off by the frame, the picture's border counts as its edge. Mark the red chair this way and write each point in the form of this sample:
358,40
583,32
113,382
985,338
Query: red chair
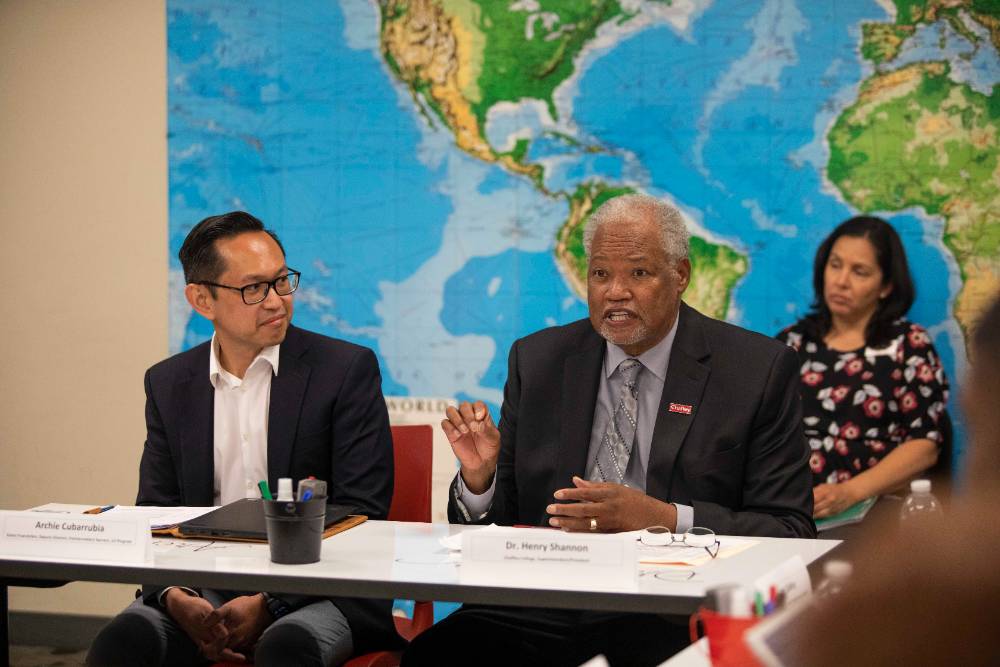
413,448
413,455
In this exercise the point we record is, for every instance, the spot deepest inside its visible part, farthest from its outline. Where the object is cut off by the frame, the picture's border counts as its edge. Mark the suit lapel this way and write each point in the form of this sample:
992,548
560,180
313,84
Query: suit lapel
685,384
196,411
288,388
581,381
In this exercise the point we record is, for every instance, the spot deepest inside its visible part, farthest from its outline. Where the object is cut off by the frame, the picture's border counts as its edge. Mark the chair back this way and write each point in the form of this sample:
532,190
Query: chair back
413,456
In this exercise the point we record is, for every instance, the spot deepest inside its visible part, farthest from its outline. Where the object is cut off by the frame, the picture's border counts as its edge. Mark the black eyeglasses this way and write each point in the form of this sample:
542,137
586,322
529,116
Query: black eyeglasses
256,292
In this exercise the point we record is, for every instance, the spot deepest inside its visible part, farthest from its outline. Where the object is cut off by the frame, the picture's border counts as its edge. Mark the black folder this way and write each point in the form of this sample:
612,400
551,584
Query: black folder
244,520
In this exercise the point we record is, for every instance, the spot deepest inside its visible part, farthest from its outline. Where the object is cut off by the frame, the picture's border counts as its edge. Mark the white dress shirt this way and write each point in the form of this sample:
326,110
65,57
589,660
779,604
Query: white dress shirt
240,429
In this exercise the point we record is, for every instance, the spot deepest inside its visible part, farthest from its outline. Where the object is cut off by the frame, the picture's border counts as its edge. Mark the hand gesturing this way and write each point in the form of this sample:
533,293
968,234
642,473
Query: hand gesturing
476,442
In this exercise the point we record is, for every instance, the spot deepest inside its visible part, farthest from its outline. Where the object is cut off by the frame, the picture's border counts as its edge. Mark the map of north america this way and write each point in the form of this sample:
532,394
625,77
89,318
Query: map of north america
430,164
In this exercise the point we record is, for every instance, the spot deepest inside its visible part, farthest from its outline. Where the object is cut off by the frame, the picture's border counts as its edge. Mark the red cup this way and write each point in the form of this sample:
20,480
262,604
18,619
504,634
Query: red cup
726,647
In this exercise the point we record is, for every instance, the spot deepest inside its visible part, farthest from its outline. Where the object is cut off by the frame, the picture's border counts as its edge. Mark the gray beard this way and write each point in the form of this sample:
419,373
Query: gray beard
637,335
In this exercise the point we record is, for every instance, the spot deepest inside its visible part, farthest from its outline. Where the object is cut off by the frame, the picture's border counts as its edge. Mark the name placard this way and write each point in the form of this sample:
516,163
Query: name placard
540,556
75,537
790,577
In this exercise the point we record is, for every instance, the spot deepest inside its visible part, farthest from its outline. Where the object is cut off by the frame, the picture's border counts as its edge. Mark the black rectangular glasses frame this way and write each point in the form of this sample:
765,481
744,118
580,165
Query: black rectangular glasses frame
249,293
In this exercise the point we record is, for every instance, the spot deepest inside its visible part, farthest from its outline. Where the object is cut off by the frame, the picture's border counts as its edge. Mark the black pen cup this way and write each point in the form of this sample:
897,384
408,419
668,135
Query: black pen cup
295,529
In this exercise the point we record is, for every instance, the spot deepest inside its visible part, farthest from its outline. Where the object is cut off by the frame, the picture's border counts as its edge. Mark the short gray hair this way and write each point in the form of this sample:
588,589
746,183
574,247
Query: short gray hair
673,231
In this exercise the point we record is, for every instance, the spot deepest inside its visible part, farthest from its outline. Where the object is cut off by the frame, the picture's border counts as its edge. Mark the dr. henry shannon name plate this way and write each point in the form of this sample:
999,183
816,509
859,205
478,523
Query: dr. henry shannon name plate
538,556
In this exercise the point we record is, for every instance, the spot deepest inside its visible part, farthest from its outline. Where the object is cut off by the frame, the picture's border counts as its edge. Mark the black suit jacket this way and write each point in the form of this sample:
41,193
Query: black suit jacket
740,459
327,418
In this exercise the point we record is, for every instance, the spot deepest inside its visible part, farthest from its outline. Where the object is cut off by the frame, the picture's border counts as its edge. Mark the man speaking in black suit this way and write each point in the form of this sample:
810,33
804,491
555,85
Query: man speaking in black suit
261,400
649,414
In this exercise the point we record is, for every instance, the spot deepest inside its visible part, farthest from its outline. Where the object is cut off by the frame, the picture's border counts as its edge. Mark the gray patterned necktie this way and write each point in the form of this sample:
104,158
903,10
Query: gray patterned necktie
616,445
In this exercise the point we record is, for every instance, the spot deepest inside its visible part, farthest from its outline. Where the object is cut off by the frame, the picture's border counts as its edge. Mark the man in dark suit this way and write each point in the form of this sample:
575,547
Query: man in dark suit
262,400
705,430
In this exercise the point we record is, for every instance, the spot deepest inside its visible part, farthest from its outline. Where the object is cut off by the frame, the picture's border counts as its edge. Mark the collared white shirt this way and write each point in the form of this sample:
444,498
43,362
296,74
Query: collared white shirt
240,430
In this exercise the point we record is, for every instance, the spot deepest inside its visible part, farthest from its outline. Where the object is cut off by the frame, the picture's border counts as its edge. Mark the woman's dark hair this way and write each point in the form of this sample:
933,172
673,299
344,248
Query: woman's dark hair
891,260
198,254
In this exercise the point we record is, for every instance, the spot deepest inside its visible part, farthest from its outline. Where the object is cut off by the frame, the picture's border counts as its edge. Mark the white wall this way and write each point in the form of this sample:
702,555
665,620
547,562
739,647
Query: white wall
83,209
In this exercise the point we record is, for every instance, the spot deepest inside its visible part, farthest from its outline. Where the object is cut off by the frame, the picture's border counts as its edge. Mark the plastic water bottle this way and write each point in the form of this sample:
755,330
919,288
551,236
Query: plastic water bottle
921,504
836,573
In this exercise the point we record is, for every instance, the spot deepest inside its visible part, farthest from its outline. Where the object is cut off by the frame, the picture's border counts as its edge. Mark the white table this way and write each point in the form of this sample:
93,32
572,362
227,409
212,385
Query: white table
695,655
385,559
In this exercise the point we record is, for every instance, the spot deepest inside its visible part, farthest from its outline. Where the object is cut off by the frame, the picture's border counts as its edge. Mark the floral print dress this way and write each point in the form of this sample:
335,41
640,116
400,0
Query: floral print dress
860,405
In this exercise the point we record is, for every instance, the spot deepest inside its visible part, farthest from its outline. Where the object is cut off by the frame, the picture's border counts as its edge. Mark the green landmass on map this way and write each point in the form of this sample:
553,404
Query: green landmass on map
916,138
526,57
882,41
715,270
520,150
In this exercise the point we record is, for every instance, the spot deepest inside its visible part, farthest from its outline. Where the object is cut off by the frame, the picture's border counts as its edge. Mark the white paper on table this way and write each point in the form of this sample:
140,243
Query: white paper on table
680,554
160,517
60,508
454,542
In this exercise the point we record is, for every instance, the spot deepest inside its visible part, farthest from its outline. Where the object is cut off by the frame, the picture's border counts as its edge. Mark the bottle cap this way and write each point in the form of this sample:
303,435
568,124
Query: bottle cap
285,488
837,569
920,486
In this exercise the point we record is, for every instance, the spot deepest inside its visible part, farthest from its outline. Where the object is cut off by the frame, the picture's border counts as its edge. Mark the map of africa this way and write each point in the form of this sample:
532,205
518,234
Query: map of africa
428,164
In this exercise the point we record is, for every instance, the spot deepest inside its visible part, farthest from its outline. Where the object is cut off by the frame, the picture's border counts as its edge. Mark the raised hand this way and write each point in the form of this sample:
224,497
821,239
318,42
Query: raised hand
476,442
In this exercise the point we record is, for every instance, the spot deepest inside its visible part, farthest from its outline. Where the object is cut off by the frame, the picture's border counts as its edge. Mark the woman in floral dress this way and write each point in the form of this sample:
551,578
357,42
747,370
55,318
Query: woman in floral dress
873,388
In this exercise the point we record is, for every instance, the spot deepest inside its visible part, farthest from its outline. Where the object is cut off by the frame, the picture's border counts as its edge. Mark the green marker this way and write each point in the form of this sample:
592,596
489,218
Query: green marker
265,492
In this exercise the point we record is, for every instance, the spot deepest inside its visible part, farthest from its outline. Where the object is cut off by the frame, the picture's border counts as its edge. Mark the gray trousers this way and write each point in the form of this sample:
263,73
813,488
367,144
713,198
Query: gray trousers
316,635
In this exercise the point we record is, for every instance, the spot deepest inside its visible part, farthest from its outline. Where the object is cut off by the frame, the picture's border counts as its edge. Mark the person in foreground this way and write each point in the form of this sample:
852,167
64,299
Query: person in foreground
261,400
647,414
935,605
873,388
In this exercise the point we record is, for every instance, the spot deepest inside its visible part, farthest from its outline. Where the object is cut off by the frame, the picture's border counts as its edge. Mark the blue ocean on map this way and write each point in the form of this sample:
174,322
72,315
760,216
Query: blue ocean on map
438,261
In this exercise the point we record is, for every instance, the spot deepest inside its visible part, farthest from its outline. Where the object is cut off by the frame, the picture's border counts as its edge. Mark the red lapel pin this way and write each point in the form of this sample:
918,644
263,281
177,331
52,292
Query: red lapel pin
681,408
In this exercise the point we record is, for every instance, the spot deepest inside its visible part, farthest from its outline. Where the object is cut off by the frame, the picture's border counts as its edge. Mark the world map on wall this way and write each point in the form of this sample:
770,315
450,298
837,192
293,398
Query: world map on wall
429,164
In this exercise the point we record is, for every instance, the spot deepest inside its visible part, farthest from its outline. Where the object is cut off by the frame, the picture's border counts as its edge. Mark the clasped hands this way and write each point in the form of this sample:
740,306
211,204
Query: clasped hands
586,507
222,634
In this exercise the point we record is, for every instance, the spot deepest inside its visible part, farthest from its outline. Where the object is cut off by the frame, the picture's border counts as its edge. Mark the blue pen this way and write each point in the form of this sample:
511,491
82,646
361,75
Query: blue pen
307,495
